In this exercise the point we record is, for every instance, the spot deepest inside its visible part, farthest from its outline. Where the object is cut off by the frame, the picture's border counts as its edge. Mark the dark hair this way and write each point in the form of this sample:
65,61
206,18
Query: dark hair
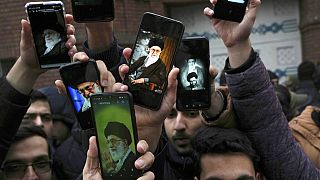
220,141
38,96
191,75
272,75
28,130
156,42
306,70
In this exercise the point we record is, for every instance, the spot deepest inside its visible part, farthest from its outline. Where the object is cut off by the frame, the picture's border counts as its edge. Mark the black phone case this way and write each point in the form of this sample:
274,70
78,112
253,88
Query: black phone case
72,74
166,32
93,11
193,95
110,117
230,10
49,33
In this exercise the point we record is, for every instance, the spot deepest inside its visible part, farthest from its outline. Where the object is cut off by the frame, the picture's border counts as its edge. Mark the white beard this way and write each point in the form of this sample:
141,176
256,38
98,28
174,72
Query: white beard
51,44
118,154
86,105
151,60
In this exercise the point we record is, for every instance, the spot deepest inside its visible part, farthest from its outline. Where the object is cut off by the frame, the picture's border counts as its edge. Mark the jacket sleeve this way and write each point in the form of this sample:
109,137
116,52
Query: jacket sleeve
261,118
112,57
13,106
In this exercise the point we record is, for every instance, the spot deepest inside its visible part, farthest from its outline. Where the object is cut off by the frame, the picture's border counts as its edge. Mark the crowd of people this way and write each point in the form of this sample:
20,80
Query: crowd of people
254,129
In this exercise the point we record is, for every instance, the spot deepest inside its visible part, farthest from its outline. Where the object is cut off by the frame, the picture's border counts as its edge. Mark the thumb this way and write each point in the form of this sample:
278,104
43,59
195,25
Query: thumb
26,35
92,163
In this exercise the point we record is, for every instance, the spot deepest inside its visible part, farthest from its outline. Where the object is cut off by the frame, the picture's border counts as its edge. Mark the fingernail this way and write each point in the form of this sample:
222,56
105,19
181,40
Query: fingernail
104,83
140,163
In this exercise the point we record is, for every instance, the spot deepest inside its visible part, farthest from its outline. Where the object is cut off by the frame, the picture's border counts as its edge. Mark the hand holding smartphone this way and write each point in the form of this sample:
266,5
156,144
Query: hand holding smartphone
152,59
82,80
116,132
231,10
47,20
193,60
92,10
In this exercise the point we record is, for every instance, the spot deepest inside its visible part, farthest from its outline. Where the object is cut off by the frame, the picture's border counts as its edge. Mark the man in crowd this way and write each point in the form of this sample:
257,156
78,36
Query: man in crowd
29,155
225,154
39,112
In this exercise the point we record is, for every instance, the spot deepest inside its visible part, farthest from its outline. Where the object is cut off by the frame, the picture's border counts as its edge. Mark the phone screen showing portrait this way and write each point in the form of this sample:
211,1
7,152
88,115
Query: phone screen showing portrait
116,135
193,60
82,80
152,59
49,33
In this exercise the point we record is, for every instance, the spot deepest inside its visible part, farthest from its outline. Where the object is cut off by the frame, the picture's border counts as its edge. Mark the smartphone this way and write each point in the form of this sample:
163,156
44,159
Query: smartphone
116,132
49,32
231,10
193,60
82,80
92,10
152,58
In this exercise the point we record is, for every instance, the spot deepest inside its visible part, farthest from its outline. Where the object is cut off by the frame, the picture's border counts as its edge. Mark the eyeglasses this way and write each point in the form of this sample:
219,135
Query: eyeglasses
155,50
45,117
18,170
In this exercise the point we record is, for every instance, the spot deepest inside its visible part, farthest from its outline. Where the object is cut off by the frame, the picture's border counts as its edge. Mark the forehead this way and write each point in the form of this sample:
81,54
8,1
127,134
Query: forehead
28,149
226,166
39,106
155,47
49,31
85,84
113,137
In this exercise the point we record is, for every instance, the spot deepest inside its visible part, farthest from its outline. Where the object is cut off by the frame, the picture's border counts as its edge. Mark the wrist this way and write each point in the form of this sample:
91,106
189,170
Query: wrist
218,105
100,35
22,78
239,53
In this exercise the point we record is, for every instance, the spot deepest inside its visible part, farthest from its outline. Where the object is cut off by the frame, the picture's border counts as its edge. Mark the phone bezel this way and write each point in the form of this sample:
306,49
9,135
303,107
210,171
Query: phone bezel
36,35
98,97
165,27
197,99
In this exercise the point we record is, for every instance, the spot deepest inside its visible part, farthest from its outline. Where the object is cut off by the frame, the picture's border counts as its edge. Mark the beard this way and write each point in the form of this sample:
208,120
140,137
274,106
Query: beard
118,153
50,44
151,60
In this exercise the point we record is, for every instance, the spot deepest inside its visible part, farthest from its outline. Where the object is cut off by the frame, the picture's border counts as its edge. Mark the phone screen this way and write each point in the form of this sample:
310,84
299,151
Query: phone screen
152,59
82,80
49,33
231,10
93,10
193,60
116,134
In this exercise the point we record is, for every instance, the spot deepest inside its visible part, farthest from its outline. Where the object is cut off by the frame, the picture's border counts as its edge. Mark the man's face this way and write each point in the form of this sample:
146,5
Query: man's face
40,114
117,147
191,62
88,88
180,127
193,81
229,166
51,35
60,132
155,51
33,150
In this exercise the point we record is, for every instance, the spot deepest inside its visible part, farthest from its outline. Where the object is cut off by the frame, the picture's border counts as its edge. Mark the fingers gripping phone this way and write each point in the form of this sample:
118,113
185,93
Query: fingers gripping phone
93,10
231,10
152,58
116,132
193,60
82,80
49,33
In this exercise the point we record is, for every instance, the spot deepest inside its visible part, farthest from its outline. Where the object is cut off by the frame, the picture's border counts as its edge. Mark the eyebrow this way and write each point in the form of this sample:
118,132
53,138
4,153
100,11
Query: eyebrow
242,177
36,159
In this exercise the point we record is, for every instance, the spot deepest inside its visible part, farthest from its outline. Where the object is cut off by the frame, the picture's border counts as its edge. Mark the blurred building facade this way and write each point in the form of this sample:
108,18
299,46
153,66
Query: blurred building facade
285,32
